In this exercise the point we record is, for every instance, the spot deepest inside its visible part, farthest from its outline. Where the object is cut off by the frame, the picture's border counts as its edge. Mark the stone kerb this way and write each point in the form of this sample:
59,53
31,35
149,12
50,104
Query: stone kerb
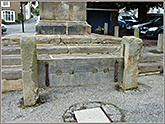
131,50
29,70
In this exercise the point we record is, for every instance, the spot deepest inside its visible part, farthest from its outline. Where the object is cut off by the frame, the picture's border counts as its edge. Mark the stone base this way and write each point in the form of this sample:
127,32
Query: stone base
75,70
11,84
64,27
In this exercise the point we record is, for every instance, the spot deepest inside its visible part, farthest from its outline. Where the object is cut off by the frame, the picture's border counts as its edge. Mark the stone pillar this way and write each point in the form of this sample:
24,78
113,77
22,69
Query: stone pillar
63,18
29,70
116,31
131,49
105,28
160,43
136,32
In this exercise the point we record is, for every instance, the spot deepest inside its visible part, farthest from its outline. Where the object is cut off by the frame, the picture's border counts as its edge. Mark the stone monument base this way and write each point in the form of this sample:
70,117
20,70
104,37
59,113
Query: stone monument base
52,27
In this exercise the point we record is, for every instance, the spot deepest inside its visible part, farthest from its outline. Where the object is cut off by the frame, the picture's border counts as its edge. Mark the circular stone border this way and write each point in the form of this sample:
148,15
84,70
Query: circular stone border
112,111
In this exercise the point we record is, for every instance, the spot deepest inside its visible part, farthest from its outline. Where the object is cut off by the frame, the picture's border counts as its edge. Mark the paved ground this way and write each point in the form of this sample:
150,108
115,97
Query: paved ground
142,105
29,27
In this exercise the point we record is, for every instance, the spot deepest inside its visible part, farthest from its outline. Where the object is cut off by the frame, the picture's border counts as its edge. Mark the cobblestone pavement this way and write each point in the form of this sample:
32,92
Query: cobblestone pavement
142,105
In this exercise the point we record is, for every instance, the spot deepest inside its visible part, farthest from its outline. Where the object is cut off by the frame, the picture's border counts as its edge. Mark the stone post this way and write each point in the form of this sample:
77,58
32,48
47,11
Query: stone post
116,31
105,28
160,43
131,49
29,70
63,18
136,32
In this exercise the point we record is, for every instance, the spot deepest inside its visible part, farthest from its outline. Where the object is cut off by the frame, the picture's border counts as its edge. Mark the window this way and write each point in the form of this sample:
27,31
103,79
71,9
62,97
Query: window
8,15
5,3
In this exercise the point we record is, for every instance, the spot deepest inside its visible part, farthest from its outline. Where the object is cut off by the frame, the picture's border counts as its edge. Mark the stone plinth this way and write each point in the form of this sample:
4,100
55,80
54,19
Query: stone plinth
160,43
131,49
63,18
29,70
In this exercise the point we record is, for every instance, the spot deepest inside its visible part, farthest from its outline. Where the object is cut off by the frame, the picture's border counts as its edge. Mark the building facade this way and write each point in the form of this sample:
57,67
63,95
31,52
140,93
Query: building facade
10,10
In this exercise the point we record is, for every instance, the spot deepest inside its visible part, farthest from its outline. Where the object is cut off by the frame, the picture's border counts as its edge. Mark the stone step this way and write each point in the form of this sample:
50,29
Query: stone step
150,67
63,49
11,60
150,57
12,73
14,39
16,60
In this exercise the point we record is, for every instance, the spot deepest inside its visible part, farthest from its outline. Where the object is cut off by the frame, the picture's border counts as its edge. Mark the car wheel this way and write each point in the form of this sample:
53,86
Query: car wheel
123,26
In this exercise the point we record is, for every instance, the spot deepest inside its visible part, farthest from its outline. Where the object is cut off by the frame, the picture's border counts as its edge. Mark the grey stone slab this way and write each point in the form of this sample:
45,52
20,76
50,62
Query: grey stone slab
81,78
50,27
48,39
11,60
78,28
106,49
11,50
39,57
95,115
50,49
78,11
70,11
12,73
80,70
56,10
150,57
103,39
150,67
75,39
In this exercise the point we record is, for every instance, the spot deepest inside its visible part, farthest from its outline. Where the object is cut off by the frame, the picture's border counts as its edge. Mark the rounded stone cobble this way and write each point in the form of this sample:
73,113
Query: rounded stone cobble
112,111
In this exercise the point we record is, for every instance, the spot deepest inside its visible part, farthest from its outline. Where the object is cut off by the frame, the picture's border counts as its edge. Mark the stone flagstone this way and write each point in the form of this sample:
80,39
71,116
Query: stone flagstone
95,115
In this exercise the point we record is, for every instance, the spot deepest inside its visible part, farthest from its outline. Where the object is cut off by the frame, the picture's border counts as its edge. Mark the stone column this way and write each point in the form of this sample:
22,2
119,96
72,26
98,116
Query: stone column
160,43
131,49
63,18
105,28
116,31
29,70
136,32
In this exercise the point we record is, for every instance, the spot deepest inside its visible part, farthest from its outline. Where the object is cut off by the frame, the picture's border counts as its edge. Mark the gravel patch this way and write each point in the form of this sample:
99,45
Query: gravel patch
142,105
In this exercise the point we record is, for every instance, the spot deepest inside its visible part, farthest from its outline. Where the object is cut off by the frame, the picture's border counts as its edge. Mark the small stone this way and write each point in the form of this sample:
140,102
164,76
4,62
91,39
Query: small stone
110,109
116,118
69,120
